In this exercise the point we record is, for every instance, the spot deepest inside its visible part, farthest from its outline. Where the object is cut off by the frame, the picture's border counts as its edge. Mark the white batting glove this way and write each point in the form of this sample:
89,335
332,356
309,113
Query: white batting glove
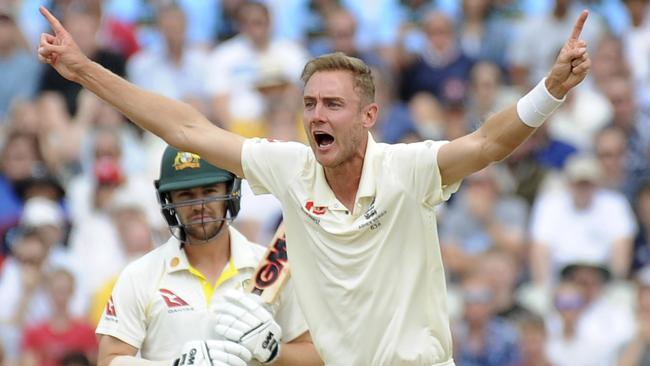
242,318
213,353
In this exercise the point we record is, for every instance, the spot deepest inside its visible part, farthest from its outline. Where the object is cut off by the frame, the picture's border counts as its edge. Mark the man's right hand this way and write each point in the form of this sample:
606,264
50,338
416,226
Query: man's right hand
213,353
60,50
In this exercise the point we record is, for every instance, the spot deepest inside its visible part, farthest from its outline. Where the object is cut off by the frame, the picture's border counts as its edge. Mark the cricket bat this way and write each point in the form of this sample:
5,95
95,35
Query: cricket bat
273,271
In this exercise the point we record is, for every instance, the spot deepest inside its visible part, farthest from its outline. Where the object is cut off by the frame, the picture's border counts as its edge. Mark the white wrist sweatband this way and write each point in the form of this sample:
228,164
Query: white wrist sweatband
534,107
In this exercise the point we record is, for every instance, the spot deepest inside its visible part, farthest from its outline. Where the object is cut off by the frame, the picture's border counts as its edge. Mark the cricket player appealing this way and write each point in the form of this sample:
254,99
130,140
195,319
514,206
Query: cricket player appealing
359,218
170,304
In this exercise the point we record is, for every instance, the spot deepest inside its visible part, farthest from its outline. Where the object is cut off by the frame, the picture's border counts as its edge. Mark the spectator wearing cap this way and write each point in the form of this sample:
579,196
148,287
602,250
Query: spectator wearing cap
637,351
580,221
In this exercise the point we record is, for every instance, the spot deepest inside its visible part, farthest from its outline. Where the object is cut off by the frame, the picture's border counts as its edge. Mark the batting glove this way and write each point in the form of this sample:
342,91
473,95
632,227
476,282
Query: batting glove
242,318
213,353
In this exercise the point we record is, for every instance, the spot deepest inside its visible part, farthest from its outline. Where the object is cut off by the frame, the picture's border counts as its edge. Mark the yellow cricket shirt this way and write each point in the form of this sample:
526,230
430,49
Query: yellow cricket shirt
160,302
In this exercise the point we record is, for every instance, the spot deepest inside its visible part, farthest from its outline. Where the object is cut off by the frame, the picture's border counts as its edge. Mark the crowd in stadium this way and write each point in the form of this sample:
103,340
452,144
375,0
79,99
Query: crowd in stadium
547,253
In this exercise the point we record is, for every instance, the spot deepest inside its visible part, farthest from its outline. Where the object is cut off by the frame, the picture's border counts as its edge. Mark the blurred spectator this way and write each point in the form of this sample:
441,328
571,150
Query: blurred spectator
82,20
532,341
177,70
481,339
530,59
19,159
635,39
22,290
574,223
24,117
136,237
340,36
484,215
440,66
47,342
488,93
608,61
567,344
637,351
610,146
608,324
502,272
628,116
395,118
641,254
234,68
483,37
19,69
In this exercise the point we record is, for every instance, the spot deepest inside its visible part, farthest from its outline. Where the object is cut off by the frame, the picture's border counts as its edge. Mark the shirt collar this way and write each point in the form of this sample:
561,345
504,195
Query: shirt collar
241,253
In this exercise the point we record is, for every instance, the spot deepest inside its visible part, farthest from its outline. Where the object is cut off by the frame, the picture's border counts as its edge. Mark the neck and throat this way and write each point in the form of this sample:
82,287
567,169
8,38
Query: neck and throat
344,178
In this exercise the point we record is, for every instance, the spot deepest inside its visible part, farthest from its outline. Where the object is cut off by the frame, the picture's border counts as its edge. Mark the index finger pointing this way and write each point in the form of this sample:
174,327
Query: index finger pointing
580,23
54,23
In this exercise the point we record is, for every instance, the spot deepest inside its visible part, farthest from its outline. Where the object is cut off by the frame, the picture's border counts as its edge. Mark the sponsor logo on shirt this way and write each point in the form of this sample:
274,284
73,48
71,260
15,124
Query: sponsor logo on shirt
174,302
316,210
110,310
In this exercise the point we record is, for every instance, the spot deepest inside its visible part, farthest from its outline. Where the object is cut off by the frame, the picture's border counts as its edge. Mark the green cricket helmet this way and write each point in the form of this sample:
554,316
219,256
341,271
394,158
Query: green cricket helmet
181,170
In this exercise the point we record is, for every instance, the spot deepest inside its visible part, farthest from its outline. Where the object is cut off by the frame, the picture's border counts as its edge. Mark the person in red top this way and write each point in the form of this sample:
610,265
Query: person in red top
47,343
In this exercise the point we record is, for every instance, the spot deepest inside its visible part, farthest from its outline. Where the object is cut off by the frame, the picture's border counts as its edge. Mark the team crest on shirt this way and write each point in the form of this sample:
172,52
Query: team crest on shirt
185,160
316,210
174,302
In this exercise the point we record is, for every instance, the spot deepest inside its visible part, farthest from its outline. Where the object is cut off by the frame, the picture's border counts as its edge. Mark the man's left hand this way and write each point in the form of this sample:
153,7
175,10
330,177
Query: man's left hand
572,64
242,318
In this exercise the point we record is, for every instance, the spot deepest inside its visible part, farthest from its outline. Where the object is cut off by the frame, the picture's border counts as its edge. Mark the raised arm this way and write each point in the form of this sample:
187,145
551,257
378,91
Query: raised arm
175,122
503,132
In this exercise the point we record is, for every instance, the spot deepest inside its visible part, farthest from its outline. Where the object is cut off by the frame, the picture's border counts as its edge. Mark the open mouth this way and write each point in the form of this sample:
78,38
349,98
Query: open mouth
323,139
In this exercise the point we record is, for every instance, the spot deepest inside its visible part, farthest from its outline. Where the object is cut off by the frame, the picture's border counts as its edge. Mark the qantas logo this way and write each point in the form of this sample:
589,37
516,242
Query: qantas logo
110,308
171,299
316,210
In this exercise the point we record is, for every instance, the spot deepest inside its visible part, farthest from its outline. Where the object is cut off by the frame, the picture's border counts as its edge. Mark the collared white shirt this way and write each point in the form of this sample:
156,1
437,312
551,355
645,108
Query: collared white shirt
370,282
159,302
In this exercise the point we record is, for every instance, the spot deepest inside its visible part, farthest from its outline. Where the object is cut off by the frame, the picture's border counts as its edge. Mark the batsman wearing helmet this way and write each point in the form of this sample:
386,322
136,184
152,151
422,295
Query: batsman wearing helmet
163,304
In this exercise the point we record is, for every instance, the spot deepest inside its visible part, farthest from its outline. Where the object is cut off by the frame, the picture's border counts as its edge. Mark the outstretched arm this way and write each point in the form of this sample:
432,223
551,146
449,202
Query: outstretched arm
502,133
175,122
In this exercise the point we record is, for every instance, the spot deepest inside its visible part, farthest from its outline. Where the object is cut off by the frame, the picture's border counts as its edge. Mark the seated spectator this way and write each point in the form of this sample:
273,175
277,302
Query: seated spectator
234,67
637,351
575,223
19,69
481,339
22,290
48,342
483,216
533,340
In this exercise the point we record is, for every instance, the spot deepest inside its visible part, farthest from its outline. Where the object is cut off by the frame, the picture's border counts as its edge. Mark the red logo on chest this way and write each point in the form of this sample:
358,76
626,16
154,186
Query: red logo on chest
316,210
171,299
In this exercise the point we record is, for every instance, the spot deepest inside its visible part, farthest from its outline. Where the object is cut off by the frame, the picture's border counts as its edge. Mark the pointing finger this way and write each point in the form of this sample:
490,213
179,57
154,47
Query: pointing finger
54,23
580,23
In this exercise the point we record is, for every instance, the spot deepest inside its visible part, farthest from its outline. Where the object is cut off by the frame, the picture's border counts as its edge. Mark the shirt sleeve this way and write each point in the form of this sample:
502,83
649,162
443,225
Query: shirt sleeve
270,165
417,164
124,317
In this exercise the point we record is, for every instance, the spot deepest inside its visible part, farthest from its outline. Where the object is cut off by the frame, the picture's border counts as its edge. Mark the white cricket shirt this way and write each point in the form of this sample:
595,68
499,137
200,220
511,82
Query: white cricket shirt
158,304
370,282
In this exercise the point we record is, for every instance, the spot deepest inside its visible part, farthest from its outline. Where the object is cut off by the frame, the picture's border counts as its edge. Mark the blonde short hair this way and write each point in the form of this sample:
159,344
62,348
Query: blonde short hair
363,80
